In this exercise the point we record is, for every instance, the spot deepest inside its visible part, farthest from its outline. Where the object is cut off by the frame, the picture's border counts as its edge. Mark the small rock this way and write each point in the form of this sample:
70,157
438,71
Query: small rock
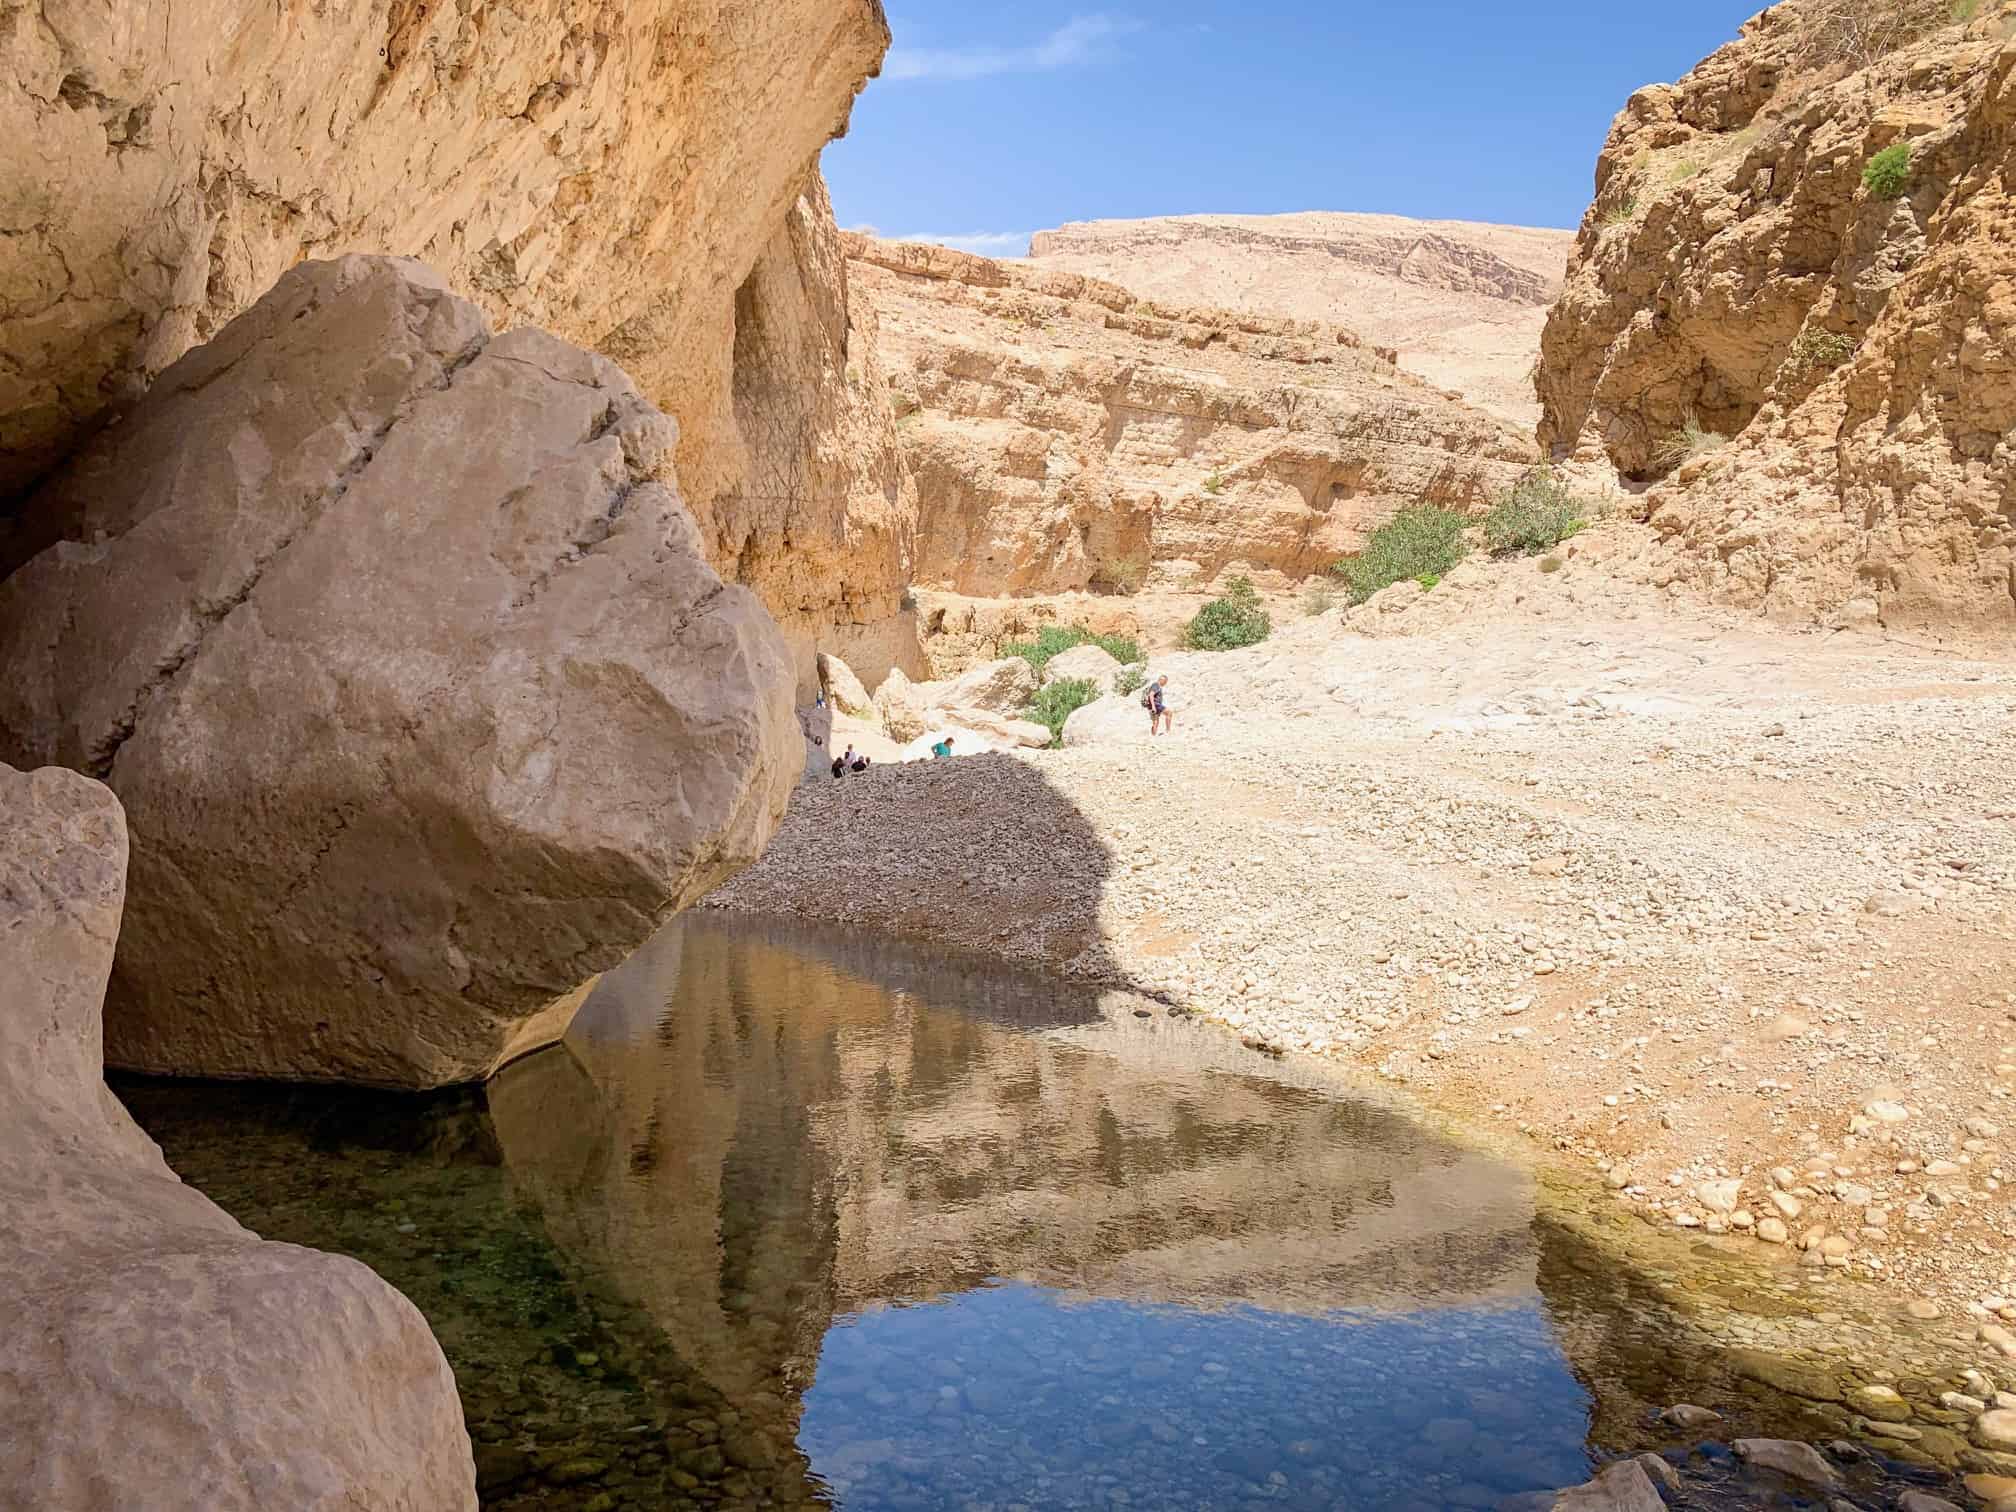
1687,1415
1622,1487
1959,1401
1796,1462
1789,1207
1924,1501
1996,1429
1719,1196
1887,1112
1923,1309
1880,1404
1771,1231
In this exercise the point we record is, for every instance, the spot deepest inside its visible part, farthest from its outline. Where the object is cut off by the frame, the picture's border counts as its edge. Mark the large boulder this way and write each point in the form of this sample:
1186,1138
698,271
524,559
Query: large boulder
1119,717
635,176
155,1353
1087,663
902,705
397,644
843,689
1000,687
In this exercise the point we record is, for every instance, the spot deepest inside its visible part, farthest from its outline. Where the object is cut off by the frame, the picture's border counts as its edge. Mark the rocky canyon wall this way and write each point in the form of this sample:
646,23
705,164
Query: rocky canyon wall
1814,369
626,174
1065,433
1460,302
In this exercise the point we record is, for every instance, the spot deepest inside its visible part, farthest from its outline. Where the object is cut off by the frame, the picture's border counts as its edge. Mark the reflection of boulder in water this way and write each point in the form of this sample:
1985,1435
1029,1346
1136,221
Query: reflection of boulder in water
747,1137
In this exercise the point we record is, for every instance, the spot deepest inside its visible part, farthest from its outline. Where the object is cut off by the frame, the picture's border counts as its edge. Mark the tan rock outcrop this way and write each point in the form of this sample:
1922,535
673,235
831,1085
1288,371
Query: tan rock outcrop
397,644
1461,304
843,689
152,1352
902,706
624,173
1065,434
1821,379
1004,730
1087,663
1004,686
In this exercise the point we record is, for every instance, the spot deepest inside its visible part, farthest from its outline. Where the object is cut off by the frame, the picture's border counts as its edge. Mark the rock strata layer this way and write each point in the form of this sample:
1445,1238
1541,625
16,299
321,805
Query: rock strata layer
1815,365
1065,433
398,645
1462,304
152,1352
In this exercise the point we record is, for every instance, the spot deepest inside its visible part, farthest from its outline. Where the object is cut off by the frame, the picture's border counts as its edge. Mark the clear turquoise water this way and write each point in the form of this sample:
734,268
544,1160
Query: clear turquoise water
797,1220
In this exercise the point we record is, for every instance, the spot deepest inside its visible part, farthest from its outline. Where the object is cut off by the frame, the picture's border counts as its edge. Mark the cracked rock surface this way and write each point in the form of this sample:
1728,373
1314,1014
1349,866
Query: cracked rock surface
400,648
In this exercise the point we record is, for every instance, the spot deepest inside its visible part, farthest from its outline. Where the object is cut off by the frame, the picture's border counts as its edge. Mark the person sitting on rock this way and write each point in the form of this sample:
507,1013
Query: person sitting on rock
839,766
860,763
942,748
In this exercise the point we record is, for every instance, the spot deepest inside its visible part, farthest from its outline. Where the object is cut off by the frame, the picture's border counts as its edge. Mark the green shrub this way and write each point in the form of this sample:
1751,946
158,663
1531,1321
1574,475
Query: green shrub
1619,214
1058,701
1537,514
1052,640
1318,600
1424,541
1225,624
1131,678
1429,581
1551,564
1816,351
1215,484
1888,174
1693,439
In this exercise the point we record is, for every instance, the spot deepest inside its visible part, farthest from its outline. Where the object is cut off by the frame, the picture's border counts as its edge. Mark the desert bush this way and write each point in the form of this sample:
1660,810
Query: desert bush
1230,621
1859,32
1429,581
1814,350
1693,439
1621,213
1680,172
1215,484
1888,174
1318,599
1058,701
1424,541
1126,575
1131,678
1053,640
1550,564
1536,514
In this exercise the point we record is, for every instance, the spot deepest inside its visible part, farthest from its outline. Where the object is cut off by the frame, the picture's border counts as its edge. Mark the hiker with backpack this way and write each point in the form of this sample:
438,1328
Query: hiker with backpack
1156,703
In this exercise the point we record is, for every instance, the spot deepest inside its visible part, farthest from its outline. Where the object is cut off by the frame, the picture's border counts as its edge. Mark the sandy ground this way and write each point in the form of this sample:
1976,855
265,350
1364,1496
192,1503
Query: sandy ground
1678,896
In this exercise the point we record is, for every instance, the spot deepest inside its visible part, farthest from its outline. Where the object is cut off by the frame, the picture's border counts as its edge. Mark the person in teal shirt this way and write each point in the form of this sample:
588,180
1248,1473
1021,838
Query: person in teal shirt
943,747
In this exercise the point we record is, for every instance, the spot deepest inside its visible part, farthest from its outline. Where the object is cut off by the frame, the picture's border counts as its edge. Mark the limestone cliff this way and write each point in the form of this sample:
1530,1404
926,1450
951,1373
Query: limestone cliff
623,175
1065,433
1817,368
1461,303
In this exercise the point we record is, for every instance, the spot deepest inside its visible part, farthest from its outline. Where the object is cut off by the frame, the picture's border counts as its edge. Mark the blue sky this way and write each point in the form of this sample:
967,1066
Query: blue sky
992,121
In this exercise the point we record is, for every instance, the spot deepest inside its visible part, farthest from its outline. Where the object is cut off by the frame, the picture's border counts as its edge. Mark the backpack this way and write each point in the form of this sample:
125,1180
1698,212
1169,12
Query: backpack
1148,697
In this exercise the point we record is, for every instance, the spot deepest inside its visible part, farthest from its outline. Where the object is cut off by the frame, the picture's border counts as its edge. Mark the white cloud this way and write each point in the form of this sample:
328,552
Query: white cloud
1078,41
986,243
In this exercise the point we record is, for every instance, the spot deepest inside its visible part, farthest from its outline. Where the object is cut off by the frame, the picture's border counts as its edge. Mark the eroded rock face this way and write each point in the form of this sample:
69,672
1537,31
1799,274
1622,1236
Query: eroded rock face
1065,434
398,645
152,1352
636,176
1736,272
1460,303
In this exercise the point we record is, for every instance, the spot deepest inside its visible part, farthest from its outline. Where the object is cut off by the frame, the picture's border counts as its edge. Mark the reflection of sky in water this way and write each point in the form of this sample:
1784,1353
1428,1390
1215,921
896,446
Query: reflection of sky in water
1016,1395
